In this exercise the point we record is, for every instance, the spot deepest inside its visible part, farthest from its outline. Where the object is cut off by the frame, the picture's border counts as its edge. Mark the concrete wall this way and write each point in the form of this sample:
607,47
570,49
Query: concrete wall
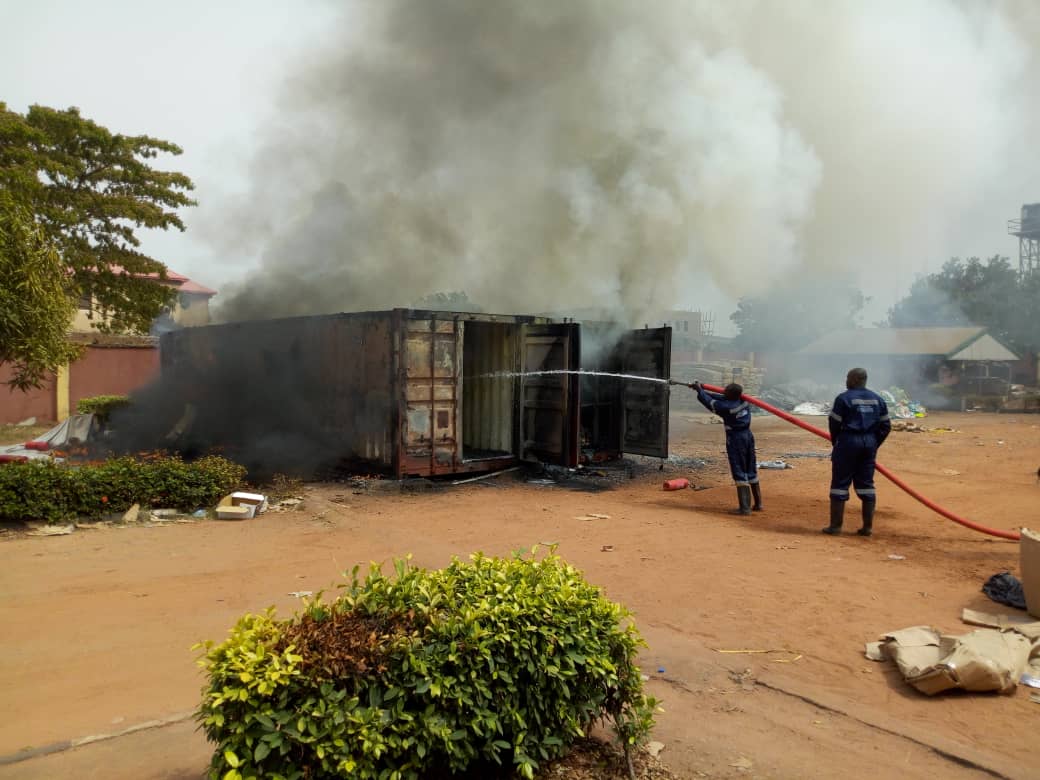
16,405
99,371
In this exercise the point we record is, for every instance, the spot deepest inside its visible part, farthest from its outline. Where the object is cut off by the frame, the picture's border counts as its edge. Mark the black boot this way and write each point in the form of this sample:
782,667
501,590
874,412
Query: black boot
743,500
756,492
837,515
868,518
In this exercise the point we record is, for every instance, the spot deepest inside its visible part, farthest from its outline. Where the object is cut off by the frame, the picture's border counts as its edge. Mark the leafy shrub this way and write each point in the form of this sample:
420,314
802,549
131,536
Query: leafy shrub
102,405
484,666
44,490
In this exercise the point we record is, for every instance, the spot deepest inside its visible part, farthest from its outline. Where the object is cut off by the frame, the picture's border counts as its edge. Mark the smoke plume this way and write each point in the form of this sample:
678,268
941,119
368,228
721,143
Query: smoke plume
543,156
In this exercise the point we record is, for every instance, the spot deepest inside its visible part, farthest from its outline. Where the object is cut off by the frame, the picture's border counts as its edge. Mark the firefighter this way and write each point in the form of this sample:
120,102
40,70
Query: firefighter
740,442
859,424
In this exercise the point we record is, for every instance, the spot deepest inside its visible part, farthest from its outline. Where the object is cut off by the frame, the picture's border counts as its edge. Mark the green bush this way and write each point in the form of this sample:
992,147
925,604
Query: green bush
488,665
43,490
102,405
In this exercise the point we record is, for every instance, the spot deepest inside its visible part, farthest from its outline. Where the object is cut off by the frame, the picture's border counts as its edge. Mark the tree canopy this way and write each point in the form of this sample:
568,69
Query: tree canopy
989,293
89,190
34,308
788,318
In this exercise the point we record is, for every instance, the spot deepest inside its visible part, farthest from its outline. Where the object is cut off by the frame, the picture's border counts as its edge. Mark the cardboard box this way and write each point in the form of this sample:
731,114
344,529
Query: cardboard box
1029,550
229,512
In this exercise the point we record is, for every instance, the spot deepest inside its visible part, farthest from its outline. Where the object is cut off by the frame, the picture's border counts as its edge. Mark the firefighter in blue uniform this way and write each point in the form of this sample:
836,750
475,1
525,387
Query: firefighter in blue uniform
859,424
740,442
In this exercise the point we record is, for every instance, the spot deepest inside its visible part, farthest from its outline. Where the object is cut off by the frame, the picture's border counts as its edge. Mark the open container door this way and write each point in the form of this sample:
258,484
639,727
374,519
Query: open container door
646,352
549,403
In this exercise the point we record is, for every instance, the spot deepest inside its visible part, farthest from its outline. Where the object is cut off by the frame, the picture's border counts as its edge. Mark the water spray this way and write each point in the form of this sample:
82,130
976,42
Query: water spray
1012,535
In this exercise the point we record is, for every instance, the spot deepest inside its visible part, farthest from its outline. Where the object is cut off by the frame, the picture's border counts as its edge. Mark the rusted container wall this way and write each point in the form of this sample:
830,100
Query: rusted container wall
333,372
111,371
430,374
16,405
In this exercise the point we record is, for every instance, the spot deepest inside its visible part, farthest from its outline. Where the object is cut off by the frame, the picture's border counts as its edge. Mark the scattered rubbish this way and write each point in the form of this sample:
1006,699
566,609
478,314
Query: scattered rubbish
895,557
132,514
1030,680
660,670
743,763
1005,588
795,656
485,476
986,659
908,427
607,548
287,505
676,484
593,516
807,454
234,512
51,530
786,547
241,506
777,464
812,409
27,422
200,513
299,594
644,677
163,514
1035,698
92,526
1000,441
951,472
654,748
541,481
1022,623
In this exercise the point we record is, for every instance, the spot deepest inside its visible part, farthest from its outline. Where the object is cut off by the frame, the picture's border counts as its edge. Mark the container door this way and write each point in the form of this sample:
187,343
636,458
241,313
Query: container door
645,404
431,363
549,403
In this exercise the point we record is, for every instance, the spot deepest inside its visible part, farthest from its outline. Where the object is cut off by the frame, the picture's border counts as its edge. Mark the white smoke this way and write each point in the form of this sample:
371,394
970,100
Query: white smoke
620,154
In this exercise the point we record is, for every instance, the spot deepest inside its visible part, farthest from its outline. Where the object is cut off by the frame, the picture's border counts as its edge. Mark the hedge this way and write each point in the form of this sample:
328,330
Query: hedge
102,406
44,490
487,666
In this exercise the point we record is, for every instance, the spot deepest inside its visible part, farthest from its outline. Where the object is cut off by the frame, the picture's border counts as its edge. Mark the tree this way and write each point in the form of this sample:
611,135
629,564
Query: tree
787,318
89,190
34,308
988,293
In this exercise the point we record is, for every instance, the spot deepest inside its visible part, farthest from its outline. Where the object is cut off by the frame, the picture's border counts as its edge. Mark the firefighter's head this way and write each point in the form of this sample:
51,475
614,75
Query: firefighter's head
856,378
732,392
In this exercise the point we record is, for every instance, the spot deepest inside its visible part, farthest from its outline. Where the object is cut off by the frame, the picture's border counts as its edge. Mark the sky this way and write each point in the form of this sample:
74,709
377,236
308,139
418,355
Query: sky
888,130
201,74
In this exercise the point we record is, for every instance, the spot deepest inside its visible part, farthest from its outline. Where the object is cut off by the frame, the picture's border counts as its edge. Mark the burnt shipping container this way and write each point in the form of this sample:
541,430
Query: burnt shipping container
422,393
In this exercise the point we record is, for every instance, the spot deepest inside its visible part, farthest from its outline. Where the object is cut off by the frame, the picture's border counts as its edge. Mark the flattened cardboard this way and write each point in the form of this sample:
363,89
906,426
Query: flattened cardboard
1029,551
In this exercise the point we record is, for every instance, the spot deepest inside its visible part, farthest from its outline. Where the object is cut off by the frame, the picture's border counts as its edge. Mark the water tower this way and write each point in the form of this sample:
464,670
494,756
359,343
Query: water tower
1028,231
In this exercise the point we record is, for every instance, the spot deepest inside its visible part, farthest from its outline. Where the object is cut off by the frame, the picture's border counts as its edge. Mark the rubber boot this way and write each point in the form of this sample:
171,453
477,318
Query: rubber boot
868,518
837,515
756,492
743,500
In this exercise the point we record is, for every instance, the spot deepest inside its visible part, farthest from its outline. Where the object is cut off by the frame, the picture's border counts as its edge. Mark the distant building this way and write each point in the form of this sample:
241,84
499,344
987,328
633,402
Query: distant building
190,309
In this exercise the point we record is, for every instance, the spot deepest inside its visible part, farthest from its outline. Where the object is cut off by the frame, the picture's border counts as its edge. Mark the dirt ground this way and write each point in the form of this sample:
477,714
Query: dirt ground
97,626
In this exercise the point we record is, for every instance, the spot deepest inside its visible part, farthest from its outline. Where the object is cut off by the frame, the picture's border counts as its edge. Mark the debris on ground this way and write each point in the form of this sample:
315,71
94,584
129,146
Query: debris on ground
987,659
50,530
594,759
778,464
287,504
1005,588
132,514
592,516
812,409
826,454
908,427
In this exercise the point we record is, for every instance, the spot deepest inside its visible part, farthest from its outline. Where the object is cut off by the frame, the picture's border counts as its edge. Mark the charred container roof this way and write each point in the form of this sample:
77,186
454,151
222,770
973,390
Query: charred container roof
418,393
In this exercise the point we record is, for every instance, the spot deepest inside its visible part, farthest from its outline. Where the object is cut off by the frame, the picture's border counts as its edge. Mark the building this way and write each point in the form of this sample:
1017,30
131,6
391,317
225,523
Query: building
933,364
109,364
190,309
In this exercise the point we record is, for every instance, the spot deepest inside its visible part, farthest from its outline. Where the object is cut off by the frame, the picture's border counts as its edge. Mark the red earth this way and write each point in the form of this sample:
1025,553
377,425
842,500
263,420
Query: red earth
98,625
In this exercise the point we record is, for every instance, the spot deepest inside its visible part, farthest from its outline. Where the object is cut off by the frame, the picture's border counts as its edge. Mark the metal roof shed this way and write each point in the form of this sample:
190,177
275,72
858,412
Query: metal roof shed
968,344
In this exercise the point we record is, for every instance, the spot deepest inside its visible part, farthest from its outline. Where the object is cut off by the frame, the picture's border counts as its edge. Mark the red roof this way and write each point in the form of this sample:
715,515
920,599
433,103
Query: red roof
189,286
183,283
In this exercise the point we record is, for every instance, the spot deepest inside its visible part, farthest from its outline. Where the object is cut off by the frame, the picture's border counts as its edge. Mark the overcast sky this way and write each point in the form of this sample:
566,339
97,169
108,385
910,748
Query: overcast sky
207,76
201,74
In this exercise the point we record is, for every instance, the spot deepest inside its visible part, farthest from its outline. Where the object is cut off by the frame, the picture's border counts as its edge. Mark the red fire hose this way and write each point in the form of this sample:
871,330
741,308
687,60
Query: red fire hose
1012,535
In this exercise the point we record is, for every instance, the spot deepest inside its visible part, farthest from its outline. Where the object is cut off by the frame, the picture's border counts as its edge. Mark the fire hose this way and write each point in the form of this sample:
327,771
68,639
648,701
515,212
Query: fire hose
1012,535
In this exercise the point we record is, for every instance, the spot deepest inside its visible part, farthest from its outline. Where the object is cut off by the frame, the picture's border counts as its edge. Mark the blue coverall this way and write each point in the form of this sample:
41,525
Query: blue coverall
859,424
740,442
